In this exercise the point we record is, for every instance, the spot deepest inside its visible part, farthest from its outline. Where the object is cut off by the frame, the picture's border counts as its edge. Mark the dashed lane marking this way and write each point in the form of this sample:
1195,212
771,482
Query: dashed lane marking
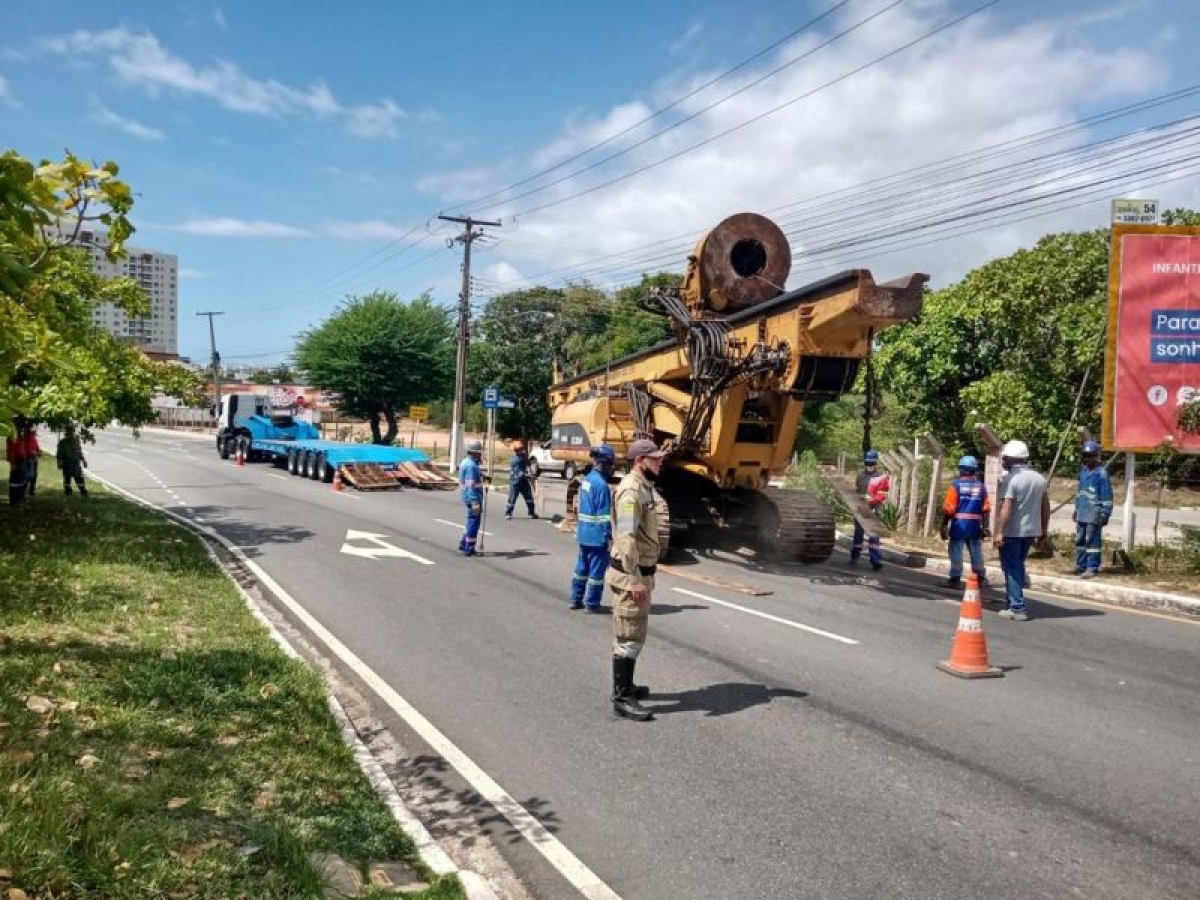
800,626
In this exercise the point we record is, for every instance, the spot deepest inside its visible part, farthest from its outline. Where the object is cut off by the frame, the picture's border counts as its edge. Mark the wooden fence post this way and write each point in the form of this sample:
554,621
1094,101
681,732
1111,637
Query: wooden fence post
935,481
896,468
992,471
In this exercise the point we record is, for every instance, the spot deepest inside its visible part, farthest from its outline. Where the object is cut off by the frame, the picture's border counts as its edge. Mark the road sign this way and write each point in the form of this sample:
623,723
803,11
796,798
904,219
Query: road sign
1135,212
418,413
505,403
491,397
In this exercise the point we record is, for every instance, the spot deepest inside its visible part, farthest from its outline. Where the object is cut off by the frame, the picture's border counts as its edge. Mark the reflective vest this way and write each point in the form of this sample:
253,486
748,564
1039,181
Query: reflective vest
471,480
966,505
595,512
1094,503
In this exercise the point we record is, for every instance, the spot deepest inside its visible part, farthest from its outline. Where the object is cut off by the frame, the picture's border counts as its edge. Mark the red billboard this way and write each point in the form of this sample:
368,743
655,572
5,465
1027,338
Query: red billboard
1153,361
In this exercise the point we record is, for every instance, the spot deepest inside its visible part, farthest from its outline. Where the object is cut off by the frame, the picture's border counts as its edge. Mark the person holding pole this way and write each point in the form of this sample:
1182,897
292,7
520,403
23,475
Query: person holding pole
1093,509
518,481
873,486
470,480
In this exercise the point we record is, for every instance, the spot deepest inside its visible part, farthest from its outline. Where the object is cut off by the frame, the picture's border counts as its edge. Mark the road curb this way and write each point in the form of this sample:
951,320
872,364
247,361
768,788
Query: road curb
1092,589
431,852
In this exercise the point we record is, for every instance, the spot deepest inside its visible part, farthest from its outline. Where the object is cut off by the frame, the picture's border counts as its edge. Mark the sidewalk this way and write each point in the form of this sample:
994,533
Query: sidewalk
1099,588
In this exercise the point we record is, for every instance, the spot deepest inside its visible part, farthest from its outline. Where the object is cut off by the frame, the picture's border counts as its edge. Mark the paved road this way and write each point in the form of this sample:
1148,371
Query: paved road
814,753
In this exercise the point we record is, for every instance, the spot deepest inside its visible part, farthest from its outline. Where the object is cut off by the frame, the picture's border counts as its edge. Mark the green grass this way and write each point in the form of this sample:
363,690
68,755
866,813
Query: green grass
154,741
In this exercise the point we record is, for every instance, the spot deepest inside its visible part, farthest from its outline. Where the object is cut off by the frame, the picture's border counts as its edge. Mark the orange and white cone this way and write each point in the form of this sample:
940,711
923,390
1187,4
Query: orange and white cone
240,459
969,653
337,480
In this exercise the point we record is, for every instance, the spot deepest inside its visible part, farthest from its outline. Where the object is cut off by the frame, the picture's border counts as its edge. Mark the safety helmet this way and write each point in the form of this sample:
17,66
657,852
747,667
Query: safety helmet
604,454
1015,450
1091,448
475,446
517,446
968,462
871,457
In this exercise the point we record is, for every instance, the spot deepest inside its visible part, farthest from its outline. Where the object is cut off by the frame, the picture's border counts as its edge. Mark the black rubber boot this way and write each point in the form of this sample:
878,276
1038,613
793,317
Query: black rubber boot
624,702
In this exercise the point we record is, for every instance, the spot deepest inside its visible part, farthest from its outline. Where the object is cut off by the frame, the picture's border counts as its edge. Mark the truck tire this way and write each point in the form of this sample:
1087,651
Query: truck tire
223,448
568,471
317,470
327,472
293,462
534,469
305,463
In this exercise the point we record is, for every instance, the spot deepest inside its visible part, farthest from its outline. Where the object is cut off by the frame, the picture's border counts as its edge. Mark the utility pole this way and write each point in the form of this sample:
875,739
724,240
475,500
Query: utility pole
471,231
216,361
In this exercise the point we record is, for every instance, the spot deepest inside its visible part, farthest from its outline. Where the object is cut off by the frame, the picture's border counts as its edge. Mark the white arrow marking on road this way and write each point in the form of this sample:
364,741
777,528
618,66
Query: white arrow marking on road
382,548
767,616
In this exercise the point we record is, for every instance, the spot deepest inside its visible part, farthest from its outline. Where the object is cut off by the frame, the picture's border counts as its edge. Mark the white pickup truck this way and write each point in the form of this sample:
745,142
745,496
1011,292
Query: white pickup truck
541,460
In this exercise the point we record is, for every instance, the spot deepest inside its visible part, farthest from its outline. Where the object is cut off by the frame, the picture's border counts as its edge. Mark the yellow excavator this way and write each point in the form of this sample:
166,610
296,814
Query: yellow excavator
725,395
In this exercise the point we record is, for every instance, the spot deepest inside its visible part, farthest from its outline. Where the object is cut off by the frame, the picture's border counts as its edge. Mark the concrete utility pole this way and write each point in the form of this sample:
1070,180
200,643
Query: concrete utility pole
471,231
216,361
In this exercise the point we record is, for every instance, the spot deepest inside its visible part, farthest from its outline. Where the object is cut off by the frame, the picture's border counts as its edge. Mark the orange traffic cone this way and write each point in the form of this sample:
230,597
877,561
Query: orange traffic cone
969,654
337,480
241,456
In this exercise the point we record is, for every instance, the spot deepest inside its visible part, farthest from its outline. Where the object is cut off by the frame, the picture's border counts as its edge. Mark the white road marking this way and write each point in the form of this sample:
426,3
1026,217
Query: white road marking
381,550
347,496
573,869
770,618
280,477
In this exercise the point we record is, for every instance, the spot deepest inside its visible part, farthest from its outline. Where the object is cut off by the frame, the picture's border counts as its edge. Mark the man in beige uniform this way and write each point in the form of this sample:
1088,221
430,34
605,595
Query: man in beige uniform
631,573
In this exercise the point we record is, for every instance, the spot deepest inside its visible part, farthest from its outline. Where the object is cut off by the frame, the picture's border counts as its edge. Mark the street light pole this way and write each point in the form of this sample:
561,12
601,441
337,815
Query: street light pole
469,235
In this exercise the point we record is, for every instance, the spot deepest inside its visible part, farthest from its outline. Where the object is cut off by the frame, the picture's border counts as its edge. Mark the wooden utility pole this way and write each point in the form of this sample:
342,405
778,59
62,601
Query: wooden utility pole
216,361
471,231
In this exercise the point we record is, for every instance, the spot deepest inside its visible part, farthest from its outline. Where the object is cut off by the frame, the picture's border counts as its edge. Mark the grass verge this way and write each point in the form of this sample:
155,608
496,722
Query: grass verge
154,741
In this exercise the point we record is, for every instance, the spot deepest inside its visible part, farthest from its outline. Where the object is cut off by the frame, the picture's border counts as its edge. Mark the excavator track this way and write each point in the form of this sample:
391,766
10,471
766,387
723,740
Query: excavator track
796,525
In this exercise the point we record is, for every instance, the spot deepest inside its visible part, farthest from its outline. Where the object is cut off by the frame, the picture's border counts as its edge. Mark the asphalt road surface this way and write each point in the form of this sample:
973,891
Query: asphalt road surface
804,746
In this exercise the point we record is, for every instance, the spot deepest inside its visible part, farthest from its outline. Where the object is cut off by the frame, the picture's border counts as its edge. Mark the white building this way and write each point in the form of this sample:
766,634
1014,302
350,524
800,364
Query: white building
158,274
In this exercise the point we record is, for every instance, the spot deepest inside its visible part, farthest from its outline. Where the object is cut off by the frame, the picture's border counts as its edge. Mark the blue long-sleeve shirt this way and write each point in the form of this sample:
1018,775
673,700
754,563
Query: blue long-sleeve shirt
595,512
470,479
1094,502
518,467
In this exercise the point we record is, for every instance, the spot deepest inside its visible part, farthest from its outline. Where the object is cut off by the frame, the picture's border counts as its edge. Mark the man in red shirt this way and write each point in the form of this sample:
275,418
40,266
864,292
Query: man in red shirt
32,453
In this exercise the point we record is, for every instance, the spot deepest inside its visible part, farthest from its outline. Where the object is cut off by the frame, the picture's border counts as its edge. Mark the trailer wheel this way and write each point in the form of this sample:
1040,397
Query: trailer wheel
327,471
317,471
223,447
293,462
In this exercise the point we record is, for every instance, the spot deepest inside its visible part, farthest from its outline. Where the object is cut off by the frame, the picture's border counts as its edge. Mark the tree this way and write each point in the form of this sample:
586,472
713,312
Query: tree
381,355
1011,344
56,366
280,374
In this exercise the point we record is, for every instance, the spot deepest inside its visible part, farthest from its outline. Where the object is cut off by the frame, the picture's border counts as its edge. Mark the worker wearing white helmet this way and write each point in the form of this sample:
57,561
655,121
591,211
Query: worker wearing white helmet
470,480
1024,519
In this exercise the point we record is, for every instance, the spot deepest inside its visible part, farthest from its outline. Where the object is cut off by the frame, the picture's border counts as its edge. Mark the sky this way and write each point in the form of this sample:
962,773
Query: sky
293,154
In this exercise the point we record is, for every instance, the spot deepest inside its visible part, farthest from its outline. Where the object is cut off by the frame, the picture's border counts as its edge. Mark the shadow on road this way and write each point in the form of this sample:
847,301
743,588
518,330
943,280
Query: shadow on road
520,553
720,699
248,535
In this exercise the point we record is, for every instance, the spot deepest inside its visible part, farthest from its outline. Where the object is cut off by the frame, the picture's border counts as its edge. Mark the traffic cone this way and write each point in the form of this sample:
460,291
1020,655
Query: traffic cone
969,654
337,480
240,459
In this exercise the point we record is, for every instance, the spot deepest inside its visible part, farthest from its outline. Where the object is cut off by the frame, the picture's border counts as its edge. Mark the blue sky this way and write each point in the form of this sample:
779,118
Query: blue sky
290,154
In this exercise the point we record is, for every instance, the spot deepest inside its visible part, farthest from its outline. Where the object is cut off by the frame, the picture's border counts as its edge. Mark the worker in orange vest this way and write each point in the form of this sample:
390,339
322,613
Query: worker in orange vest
965,510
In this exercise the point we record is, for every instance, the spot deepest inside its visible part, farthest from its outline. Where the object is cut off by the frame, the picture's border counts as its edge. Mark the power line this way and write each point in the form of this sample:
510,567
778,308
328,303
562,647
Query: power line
748,122
658,112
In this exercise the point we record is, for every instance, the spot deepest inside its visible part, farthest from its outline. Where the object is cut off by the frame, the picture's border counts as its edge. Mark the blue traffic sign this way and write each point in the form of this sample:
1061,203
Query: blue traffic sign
491,397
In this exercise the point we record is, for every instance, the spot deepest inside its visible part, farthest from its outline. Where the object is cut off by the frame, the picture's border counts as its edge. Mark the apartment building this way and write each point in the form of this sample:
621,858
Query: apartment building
158,274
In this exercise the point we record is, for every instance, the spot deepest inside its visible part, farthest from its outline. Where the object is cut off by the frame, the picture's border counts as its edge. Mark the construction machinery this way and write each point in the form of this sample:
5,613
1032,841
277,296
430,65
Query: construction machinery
725,395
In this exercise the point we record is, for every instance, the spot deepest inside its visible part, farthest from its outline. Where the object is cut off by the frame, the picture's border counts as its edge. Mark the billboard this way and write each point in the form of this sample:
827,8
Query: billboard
1153,360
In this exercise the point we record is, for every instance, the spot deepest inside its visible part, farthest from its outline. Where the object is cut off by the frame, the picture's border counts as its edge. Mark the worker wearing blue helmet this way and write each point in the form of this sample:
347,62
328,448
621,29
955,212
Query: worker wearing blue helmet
593,532
965,510
1093,508
873,486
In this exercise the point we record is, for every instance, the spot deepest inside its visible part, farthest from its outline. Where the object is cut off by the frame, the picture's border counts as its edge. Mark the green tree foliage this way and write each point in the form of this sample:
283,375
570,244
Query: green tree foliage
521,337
381,355
56,366
835,427
1181,216
281,374
1009,345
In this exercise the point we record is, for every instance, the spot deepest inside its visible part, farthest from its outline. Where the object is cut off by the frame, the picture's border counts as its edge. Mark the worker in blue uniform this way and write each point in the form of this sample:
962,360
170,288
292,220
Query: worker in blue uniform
593,532
965,511
519,481
470,480
1093,509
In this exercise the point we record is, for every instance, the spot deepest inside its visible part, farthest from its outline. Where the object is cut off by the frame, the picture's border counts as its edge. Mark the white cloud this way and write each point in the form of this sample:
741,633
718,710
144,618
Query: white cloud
187,274
367,230
139,59
102,115
685,40
242,228
219,18
980,83
6,97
